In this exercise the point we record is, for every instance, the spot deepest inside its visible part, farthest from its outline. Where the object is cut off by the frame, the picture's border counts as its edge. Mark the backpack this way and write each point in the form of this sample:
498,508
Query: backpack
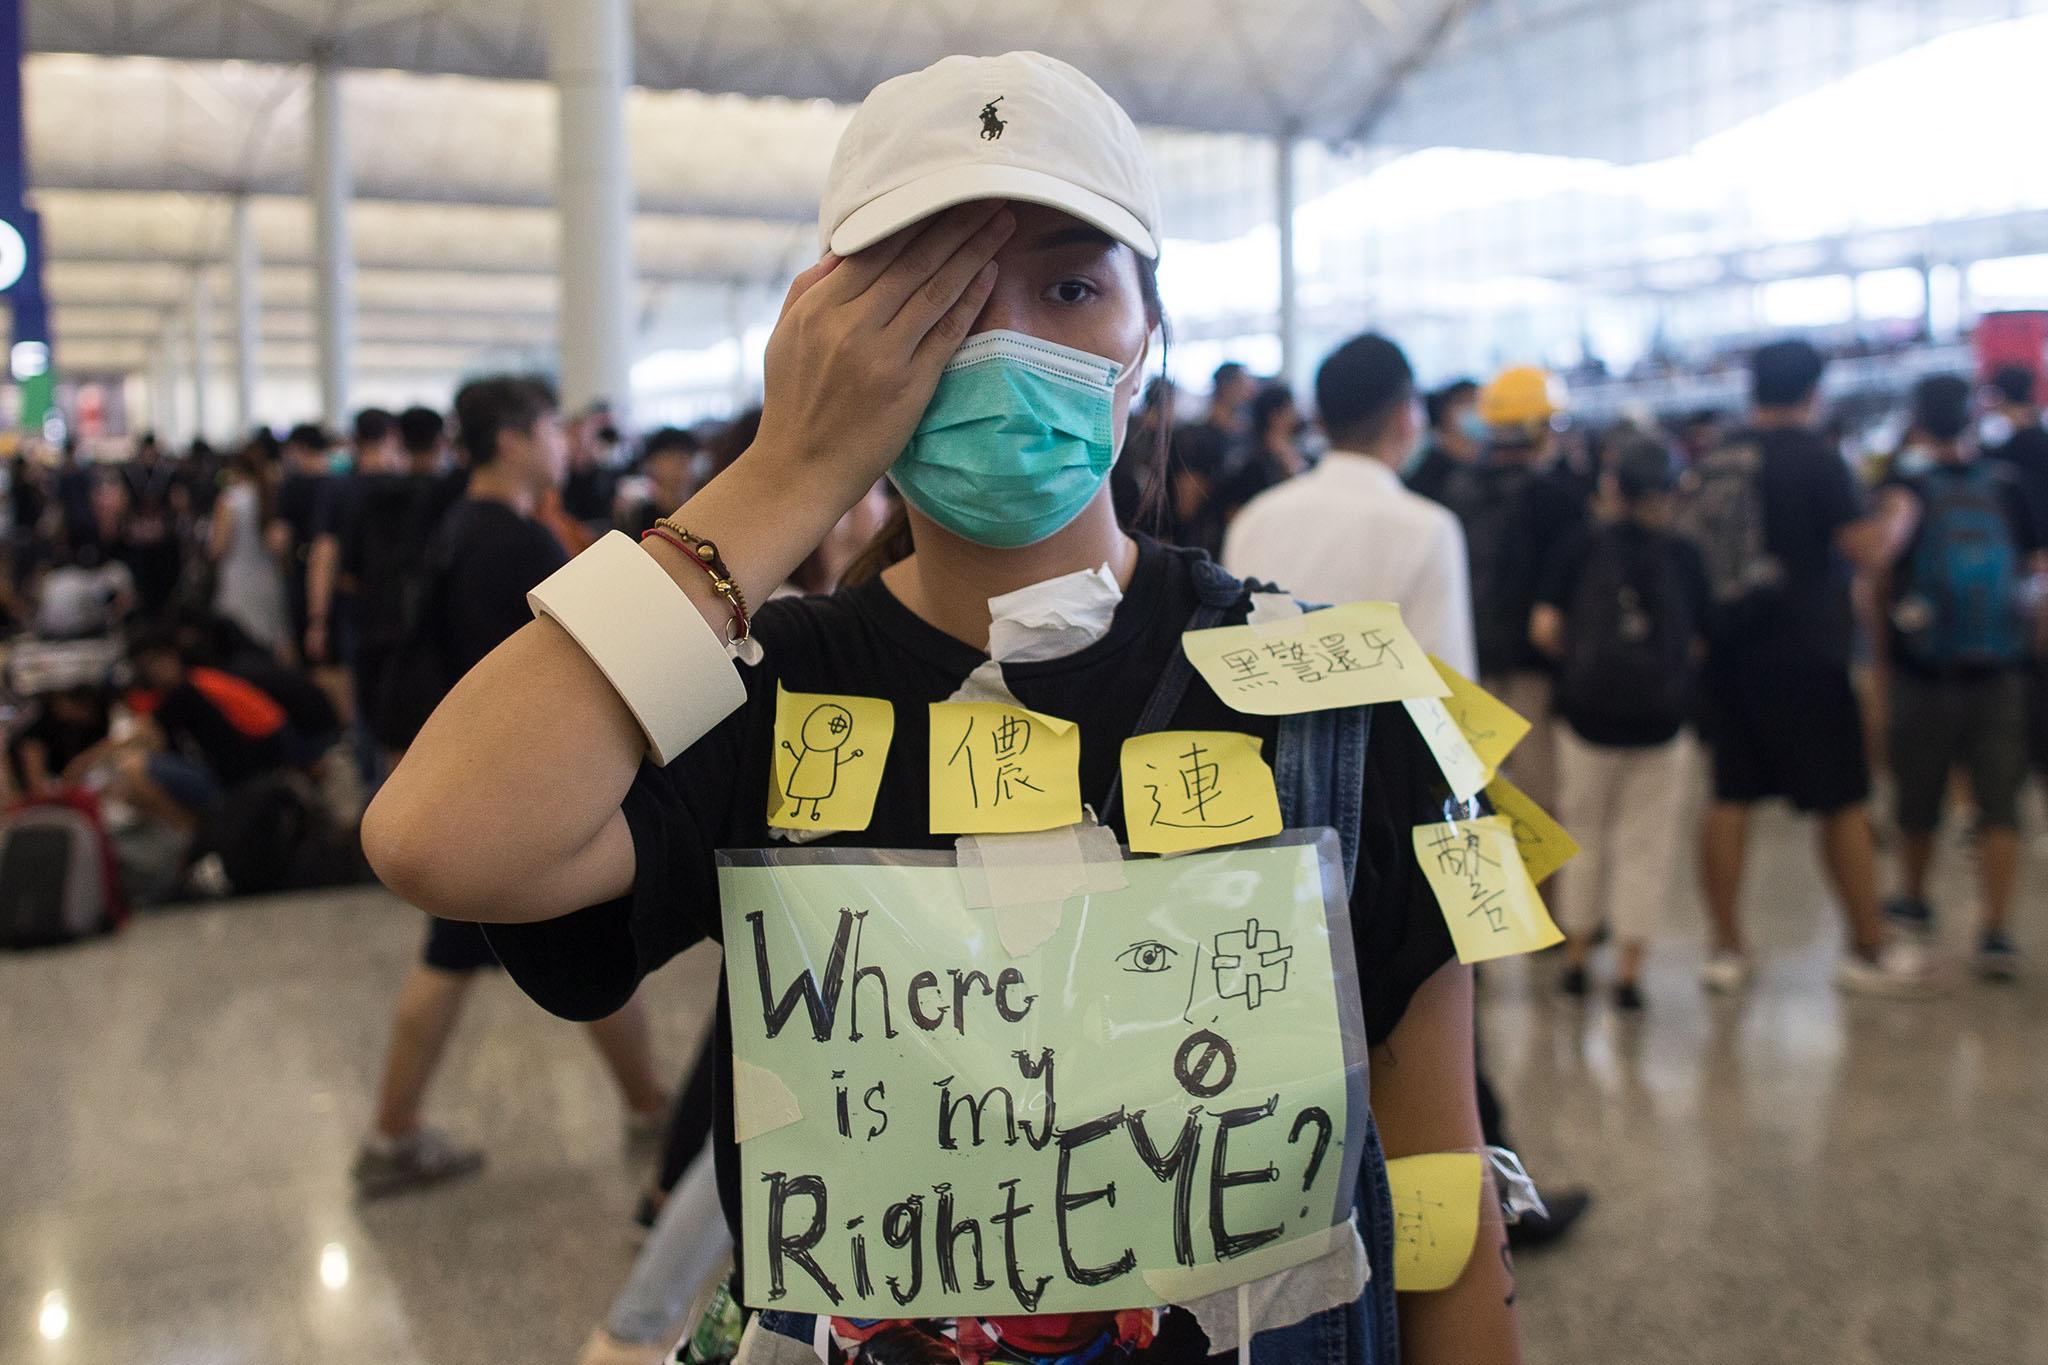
272,833
419,673
1957,603
395,527
1723,516
1487,499
1628,639
58,882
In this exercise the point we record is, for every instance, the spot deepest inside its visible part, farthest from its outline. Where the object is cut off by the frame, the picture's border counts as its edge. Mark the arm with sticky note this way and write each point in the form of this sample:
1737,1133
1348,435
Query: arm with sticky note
1423,1098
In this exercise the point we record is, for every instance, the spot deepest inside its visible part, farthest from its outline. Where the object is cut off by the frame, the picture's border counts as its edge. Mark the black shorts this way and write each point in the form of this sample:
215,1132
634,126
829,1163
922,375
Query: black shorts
455,945
1785,730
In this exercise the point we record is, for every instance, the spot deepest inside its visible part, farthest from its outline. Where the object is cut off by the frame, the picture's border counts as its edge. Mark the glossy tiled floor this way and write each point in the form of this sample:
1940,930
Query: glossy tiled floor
1796,1178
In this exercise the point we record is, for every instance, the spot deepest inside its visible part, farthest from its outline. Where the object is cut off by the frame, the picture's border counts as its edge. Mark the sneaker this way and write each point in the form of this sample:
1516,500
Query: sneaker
1900,968
385,1166
1573,982
1910,912
1727,972
1628,998
1998,957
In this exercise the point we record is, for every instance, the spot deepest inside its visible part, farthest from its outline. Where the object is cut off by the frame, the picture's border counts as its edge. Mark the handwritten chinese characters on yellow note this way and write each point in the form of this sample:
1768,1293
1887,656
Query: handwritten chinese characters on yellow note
1353,655
1190,789
1002,769
1487,897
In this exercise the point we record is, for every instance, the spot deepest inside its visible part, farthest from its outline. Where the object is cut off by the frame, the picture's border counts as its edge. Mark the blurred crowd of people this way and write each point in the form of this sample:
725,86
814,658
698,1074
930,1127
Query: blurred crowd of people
228,651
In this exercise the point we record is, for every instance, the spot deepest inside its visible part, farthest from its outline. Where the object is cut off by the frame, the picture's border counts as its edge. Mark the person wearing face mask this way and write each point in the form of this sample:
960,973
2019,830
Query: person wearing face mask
1456,436
1963,613
976,331
1276,452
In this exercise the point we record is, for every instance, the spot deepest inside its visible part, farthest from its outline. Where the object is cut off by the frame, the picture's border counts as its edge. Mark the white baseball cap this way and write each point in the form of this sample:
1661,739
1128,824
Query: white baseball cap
1020,126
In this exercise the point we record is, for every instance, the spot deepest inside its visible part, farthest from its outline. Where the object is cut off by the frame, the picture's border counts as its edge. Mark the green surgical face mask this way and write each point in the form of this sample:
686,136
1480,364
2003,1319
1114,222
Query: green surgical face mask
1017,439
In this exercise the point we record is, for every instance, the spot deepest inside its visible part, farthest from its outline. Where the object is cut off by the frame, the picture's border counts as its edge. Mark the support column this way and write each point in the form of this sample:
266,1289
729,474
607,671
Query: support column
334,261
201,355
246,313
1283,216
590,60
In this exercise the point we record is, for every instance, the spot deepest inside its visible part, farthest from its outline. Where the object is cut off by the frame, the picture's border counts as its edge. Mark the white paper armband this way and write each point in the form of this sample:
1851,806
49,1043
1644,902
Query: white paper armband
648,639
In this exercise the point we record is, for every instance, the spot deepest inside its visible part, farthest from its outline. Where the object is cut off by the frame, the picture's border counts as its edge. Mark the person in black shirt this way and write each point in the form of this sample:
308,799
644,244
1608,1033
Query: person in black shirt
1203,457
1963,617
1624,612
668,462
594,868
150,542
1778,711
1517,507
1456,435
1274,454
2015,438
488,553
299,514
587,493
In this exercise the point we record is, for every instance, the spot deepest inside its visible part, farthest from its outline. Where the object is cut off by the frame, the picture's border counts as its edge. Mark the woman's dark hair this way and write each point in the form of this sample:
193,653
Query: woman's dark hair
893,544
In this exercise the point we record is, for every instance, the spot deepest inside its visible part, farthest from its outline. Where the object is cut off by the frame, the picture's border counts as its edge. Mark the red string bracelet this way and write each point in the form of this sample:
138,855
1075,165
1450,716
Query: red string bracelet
704,554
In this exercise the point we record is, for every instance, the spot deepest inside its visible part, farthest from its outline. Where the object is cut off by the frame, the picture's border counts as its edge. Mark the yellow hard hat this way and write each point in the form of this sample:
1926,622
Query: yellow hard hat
1524,397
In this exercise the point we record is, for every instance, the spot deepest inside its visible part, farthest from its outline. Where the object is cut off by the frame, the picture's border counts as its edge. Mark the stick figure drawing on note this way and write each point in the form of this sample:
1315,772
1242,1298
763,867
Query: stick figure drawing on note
816,774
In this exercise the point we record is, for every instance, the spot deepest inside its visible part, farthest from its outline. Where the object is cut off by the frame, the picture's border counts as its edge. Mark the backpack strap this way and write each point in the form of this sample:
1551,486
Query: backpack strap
1216,592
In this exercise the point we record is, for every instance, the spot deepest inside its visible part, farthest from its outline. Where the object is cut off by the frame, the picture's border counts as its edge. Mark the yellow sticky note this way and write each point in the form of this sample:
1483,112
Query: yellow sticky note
1189,789
829,753
1546,845
1487,897
1353,655
999,769
1462,767
1491,726
1436,1218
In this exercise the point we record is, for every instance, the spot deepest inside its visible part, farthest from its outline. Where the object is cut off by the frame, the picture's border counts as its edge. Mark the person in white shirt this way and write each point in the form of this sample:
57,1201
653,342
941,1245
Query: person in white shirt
1348,531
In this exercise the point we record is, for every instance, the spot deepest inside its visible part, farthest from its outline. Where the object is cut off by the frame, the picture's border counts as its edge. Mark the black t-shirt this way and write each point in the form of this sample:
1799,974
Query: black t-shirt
1925,485
384,525
1514,518
2027,455
1808,496
1642,546
862,640
1432,472
587,493
494,557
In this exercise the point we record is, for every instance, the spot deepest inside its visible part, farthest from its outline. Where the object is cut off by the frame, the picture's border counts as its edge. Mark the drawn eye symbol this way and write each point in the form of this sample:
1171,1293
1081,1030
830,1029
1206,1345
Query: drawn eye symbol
1149,956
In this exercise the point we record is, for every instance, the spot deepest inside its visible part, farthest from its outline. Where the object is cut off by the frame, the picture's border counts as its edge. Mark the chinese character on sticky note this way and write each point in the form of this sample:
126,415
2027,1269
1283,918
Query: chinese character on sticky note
1490,725
1545,845
1353,655
829,754
1488,899
1189,789
1436,1218
1000,769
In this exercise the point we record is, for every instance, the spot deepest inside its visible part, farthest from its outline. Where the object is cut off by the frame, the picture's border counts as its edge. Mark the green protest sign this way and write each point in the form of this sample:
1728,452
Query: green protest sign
1161,1100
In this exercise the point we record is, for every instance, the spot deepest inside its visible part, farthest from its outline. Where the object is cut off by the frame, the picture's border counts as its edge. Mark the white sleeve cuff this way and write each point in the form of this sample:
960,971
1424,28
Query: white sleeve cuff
648,639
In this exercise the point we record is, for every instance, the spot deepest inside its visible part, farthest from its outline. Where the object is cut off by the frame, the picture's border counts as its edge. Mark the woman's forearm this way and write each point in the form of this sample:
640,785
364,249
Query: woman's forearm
1423,1098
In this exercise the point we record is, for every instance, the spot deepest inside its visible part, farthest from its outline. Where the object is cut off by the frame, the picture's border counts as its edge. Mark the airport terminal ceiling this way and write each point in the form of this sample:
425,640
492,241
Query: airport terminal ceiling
146,118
